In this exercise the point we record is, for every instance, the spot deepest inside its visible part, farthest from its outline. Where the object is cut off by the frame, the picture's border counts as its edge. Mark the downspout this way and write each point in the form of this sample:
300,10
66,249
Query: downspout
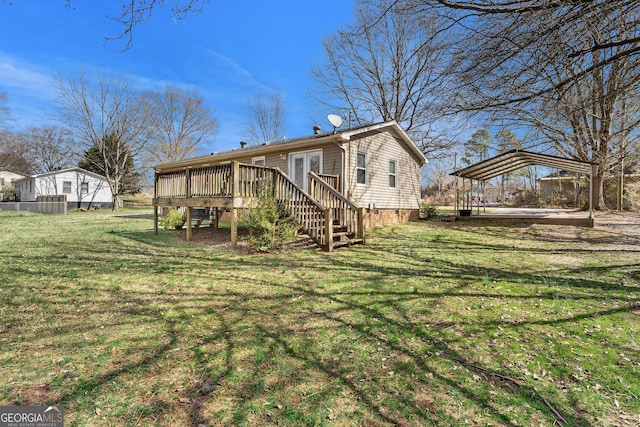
343,165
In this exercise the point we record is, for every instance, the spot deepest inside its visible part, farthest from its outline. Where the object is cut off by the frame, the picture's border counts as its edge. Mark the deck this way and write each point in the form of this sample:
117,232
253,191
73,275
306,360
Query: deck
328,217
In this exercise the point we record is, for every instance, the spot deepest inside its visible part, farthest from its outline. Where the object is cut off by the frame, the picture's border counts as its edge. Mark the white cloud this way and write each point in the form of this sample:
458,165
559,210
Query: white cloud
19,74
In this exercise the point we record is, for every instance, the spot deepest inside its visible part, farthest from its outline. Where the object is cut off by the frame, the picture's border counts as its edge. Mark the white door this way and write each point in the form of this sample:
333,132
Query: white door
300,164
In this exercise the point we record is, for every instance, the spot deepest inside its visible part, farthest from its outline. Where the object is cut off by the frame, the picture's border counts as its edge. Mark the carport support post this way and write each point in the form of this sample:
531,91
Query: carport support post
591,192
455,197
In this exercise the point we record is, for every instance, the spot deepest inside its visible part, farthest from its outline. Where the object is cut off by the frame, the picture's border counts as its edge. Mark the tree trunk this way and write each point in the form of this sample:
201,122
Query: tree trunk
598,190
115,201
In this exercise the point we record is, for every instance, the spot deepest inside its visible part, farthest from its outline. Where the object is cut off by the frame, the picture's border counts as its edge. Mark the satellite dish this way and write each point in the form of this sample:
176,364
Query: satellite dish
335,120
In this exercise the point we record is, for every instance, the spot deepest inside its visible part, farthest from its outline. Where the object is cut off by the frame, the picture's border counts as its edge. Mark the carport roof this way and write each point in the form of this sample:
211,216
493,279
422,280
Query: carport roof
516,159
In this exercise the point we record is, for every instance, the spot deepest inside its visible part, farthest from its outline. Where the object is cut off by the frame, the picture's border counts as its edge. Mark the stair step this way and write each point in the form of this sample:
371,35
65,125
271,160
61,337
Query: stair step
350,242
343,233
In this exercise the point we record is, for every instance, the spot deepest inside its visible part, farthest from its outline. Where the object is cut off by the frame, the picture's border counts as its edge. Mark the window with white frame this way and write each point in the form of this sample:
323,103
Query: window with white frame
393,173
84,188
361,168
258,161
66,187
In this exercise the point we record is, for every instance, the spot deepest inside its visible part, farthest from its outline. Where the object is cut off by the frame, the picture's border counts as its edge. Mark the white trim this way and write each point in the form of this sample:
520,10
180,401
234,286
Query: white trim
307,154
395,174
254,160
366,168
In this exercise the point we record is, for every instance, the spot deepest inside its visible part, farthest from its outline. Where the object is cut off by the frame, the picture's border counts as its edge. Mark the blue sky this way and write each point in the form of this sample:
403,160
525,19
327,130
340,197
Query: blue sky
230,52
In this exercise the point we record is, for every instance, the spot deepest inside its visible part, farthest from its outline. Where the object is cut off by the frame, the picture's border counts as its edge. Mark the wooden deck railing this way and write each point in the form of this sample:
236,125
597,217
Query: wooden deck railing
342,210
230,183
232,179
332,180
208,181
315,218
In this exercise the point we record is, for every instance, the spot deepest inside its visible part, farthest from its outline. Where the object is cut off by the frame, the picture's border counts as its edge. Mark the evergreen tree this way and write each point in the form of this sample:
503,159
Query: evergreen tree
476,149
94,161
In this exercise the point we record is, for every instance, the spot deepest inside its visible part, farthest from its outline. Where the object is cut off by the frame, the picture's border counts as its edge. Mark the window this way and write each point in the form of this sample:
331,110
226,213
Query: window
84,188
66,187
361,169
258,161
393,174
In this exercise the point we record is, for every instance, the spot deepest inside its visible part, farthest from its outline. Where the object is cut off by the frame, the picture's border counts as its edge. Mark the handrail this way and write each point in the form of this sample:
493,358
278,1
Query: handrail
315,218
344,210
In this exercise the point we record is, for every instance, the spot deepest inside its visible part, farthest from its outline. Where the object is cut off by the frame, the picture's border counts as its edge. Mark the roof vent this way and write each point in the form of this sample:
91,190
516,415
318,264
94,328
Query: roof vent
316,130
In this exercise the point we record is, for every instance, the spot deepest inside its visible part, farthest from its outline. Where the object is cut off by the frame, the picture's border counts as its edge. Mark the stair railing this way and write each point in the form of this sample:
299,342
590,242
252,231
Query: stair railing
342,209
313,216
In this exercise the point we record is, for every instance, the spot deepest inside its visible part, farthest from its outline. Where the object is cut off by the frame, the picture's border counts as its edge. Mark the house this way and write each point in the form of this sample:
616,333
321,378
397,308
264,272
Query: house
368,176
82,189
8,176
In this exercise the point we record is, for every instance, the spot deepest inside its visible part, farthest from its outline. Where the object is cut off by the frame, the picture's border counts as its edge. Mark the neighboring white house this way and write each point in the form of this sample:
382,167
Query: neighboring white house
83,189
8,176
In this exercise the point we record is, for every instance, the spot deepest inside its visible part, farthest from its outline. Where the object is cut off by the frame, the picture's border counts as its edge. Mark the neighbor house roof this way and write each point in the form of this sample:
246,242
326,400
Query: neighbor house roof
309,141
76,169
516,159
6,169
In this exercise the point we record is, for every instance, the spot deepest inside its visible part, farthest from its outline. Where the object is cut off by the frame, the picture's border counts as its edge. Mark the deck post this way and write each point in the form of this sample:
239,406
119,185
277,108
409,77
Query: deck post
155,207
155,220
216,221
361,226
235,179
328,229
189,228
234,228
235,192
188,193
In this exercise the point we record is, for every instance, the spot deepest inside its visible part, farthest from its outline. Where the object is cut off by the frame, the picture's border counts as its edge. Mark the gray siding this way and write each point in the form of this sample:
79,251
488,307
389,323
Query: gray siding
331,158
380,149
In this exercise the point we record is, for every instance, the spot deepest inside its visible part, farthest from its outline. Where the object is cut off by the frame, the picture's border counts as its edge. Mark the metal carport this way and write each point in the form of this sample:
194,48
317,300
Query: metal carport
517,159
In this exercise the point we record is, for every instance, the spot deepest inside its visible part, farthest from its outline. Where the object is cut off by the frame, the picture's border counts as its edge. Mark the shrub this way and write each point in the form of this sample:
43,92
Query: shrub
173,219
428,210
271,228
8,192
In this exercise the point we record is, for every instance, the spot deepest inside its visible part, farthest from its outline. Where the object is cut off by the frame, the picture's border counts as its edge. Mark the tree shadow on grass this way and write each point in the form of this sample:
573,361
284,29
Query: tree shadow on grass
261,310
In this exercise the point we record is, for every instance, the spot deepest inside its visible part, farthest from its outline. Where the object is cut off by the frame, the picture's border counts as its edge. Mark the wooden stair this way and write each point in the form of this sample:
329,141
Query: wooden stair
342,237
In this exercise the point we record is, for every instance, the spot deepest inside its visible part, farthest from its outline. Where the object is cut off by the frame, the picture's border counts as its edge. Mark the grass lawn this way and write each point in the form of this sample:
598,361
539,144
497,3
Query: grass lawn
431,323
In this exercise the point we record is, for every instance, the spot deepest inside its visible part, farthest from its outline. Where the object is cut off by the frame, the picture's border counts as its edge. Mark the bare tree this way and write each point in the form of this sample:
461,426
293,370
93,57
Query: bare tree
388,65
14,153
50,148
265,118
105,109
567,15
564,70
179,123
4,110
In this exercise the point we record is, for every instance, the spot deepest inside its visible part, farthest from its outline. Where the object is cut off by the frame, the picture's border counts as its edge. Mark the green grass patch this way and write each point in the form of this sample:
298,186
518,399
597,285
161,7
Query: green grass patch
431,323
